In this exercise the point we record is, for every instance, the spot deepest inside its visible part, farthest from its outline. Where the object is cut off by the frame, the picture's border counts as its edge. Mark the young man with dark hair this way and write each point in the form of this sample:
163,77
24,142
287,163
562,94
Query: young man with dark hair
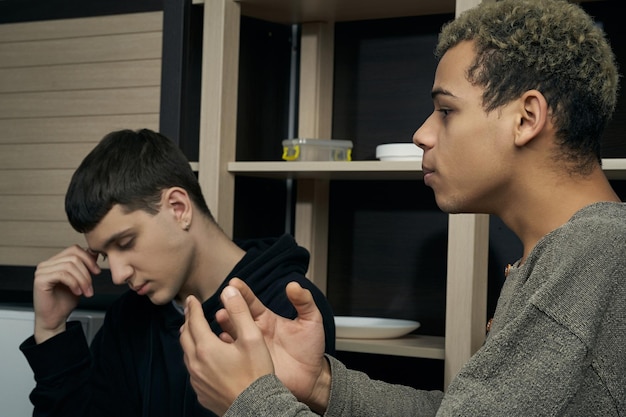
139,206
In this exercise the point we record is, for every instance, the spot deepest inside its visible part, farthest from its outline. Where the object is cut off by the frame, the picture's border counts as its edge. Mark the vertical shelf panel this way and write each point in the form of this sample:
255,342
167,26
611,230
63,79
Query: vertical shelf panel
315,121
218,119
466,299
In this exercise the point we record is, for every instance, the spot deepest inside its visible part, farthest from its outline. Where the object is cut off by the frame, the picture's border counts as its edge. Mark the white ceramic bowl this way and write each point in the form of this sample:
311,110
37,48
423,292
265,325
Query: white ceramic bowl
399,152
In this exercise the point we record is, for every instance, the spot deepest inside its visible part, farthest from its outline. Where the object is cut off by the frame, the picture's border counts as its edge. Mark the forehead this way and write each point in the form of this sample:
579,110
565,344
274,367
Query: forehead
451,70
114,224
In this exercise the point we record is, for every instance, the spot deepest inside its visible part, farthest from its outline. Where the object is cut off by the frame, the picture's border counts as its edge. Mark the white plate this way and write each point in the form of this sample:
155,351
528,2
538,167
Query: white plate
372,327
399,152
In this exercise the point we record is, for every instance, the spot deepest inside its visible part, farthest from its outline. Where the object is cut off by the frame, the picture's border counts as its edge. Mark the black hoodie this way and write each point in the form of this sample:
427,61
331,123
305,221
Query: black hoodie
135,365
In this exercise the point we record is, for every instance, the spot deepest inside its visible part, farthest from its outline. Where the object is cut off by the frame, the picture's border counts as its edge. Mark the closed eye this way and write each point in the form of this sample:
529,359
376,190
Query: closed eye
124,245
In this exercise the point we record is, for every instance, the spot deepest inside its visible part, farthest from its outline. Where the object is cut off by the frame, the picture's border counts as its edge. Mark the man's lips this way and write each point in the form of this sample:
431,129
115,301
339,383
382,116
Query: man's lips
139,289
428,173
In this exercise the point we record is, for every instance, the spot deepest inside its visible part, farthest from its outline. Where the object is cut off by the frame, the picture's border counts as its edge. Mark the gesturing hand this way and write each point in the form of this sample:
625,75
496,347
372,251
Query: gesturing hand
220,370
255,342
296,346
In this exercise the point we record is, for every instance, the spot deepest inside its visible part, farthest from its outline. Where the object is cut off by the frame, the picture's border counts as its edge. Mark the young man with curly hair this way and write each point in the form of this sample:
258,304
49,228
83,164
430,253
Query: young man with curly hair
522,93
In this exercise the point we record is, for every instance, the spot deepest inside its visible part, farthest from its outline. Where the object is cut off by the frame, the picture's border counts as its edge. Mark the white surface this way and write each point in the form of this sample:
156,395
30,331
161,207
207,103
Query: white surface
372,327
16,377
399,152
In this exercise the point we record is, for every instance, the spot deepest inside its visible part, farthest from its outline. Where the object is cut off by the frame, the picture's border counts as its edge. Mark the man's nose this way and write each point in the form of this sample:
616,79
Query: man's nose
424,136
120,270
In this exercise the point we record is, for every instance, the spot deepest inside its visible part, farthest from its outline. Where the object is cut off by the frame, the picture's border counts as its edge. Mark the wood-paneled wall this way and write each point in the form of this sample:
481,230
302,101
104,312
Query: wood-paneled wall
64,84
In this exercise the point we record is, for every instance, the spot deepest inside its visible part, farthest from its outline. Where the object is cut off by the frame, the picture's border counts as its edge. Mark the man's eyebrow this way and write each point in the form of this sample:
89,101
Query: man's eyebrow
441,92
110,240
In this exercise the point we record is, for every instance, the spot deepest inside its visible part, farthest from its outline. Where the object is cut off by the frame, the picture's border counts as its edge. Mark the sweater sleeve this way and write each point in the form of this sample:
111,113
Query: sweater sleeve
70,383
267,396
61,366
352,394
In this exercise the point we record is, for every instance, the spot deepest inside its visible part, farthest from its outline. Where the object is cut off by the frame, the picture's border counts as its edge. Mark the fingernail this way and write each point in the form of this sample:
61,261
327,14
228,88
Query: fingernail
229,292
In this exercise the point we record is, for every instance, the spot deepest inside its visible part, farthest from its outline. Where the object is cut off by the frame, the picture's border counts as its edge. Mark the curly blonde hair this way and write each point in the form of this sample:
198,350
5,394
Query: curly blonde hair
552,46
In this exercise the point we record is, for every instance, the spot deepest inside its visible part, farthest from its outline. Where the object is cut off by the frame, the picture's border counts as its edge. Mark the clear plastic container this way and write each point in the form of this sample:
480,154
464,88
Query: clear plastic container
302,149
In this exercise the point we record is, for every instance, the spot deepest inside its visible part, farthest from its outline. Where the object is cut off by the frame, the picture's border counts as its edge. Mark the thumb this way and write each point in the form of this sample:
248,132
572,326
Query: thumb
303,301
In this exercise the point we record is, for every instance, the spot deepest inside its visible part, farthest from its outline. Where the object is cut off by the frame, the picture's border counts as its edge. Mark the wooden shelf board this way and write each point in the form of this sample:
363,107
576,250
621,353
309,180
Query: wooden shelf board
615,168
306,11
289,11
416,346
353,170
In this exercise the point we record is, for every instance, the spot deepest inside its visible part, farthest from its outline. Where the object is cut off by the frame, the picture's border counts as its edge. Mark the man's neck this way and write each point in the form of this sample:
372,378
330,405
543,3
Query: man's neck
539,210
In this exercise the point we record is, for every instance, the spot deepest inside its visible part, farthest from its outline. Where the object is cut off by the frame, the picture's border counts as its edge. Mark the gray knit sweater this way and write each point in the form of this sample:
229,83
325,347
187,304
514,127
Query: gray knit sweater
557,345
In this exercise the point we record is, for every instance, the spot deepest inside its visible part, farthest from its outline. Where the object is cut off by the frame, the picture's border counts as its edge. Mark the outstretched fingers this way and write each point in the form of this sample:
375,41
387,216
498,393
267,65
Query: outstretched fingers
240,320
220,371
255,306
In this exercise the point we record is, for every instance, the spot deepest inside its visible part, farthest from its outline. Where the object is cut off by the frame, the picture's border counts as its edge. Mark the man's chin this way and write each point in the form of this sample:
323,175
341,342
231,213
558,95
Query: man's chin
158,300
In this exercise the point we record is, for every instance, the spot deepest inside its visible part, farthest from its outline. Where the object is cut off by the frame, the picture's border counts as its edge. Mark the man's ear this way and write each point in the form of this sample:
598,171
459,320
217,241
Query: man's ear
533,117
177,200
